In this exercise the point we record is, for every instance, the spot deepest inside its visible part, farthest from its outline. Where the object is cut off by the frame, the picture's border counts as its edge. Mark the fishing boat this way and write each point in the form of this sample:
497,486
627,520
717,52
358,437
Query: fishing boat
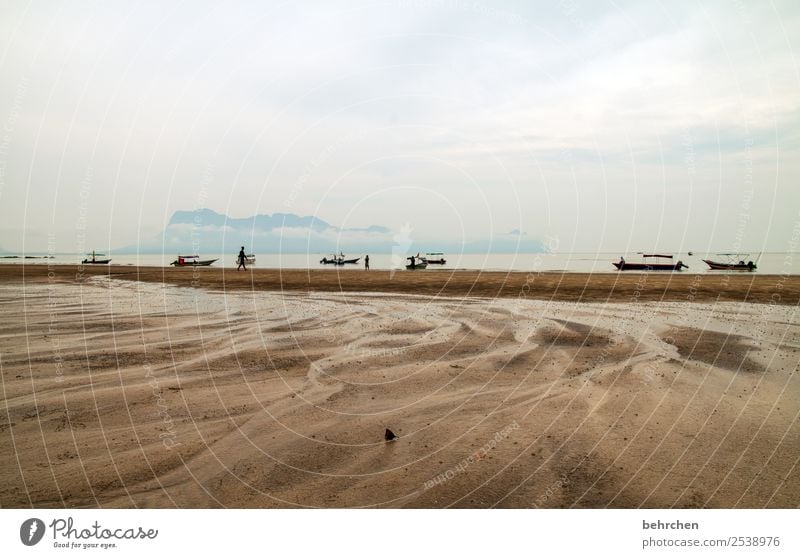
94,259
338,260
421,265
653,262
434,258
416,263
192,261
735,262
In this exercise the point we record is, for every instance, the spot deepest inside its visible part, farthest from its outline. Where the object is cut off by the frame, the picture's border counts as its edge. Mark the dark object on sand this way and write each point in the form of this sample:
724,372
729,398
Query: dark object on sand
389,436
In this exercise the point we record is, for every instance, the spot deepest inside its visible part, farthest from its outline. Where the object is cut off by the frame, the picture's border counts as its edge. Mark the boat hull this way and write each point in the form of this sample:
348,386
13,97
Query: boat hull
97,262
328,261
417,266
441,261
626,266
730,267
201,263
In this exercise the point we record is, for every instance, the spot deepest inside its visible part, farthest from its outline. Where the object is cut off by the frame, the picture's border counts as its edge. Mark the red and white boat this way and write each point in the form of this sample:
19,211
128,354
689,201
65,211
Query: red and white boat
192,261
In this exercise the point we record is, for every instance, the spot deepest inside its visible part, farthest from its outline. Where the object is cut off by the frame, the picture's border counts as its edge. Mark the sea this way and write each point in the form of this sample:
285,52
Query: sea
778,263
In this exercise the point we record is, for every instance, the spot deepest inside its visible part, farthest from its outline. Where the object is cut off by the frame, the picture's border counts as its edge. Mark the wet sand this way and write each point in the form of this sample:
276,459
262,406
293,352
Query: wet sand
598,287
120,393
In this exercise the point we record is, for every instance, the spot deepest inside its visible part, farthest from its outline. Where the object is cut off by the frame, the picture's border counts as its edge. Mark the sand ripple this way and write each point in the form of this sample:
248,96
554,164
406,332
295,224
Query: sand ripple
120,394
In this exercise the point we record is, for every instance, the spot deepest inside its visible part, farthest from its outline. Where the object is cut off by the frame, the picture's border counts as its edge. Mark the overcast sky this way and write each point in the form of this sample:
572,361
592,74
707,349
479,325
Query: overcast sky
605,125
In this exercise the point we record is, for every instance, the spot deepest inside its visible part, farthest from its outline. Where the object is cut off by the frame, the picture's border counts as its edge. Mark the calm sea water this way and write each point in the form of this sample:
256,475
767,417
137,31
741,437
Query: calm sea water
768,263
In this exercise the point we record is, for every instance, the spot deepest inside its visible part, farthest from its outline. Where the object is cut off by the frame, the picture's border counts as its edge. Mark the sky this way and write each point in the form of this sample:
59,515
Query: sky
594,126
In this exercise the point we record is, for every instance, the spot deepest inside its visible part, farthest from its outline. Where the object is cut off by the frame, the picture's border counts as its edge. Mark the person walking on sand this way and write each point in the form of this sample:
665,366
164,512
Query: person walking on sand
242,260
366,262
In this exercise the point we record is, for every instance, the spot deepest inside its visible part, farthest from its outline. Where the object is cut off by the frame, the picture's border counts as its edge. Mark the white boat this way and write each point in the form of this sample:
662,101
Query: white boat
434,258
735,262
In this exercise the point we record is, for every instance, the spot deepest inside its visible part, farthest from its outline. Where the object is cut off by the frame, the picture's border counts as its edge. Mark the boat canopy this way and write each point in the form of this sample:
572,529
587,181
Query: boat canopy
737,256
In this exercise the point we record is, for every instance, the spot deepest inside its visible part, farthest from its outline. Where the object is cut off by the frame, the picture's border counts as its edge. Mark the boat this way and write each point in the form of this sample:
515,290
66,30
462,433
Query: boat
434,258
94,259
416,263
653,265
192,261
249,259
338,260
735,263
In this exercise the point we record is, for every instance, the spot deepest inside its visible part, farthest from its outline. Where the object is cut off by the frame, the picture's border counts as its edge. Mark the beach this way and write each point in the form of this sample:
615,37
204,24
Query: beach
195,388
585,287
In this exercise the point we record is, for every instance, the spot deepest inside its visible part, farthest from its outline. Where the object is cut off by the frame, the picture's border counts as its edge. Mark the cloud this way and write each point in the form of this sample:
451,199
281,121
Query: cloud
513,113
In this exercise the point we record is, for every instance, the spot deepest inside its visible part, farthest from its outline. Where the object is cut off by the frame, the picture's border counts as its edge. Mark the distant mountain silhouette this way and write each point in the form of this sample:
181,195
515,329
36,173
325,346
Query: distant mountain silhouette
205,231
209,217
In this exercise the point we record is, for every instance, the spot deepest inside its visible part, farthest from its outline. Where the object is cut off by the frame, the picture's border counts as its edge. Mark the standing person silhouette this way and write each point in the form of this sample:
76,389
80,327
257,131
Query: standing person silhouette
366,262
242,258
